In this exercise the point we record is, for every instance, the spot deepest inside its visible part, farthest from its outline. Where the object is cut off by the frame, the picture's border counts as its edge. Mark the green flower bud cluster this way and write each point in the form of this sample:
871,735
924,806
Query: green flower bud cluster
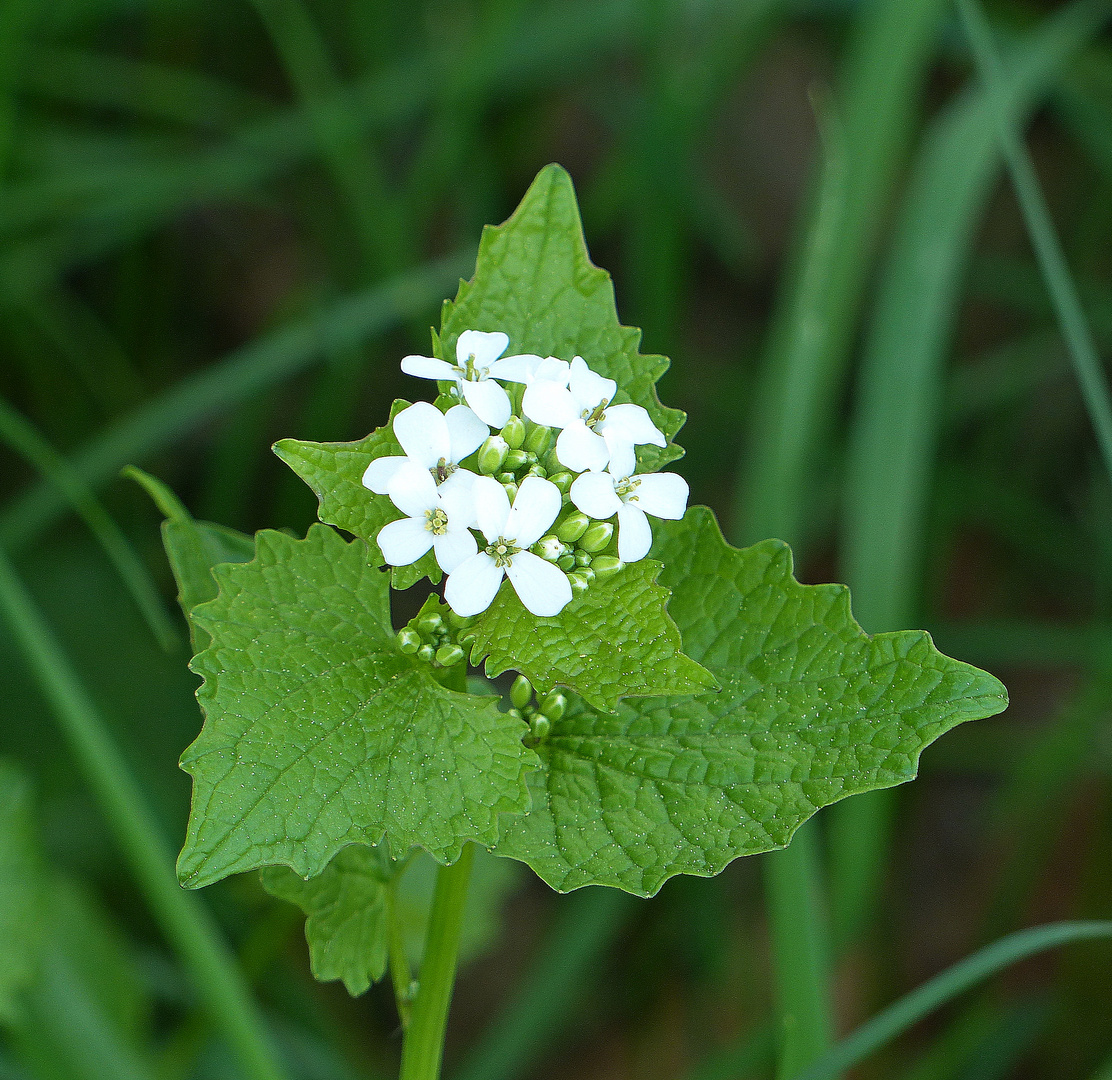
540,716
431,636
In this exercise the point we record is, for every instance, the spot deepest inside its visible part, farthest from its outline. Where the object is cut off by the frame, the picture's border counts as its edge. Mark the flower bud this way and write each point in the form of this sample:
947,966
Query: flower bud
573,526
552,461
521,693
511,491
536,438
550,548
538,470
554,705
409,641
566,562
515,713
563,480
432,622
491,455
514,432
606,565
540,727
582,558
426,653
506,478
597,536
579,582
460,622
449,655
515,459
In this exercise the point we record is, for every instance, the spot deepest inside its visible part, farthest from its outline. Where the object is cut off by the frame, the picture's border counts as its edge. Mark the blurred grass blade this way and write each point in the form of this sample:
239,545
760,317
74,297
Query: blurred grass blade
16,20
22,437
865,138
894,429
1044,238
547,1001
182,917
164,420
913,1007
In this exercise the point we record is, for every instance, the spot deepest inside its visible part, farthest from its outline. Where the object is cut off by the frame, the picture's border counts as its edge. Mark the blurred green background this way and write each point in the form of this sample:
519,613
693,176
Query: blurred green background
223,223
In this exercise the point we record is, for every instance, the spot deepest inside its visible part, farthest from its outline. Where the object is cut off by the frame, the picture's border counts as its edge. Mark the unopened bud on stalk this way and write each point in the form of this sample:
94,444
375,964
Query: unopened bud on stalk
550,548
573,527
579,582
597,536
582,558
538,470
511,491
449,655
521,693
540,726
606,565
460,622
426,653
515,459
563,480
506,478
536,438
492,454
554,705
430,623
566,562
409,641
514,432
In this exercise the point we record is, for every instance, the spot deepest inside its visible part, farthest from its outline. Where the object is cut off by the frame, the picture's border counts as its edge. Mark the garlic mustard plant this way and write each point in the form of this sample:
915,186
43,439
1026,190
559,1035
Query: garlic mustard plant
676,702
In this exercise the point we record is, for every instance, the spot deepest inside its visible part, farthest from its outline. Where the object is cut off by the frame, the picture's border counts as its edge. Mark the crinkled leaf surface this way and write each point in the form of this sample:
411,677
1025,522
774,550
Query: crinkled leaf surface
811,710
535,282
335,473
614,640
318,733
347,913
21,890
193,549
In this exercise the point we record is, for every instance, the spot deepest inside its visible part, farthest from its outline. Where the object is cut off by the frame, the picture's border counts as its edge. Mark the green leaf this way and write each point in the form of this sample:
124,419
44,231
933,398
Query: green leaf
193,548
347,908
335,473
811,710
21,891
318,733
614,640
535,282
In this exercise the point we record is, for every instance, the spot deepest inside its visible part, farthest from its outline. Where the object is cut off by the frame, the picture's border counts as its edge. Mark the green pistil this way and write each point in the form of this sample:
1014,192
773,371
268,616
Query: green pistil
502,551
593,416
436,521
442,470
624,487
469,372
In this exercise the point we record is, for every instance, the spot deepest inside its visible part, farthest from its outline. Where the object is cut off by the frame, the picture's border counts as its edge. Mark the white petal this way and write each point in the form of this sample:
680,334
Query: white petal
486,348
623,458
423,432
518,368
579,448
489,401
427,367
547,402
405,541
472,585
492,506
453,548
413,489
588,387
635,535
380,472
543,588
662,494
553,369
460,481
633,423
458,501
466,432
593,493
535,508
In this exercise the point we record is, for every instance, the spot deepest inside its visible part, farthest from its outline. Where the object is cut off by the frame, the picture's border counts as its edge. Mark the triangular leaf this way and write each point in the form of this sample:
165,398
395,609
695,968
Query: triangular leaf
535,282
347,913
613,641
335,473
319,733
193,549
811,710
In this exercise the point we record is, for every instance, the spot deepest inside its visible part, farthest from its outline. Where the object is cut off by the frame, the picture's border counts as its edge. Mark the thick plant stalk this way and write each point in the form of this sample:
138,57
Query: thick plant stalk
424,1039
182,918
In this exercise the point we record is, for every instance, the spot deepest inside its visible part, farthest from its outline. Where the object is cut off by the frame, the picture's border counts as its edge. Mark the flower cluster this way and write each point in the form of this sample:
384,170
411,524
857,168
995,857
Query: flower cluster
543,510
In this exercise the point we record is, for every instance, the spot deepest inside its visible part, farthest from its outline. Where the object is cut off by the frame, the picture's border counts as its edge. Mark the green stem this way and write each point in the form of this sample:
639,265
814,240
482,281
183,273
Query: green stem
799,945
400,974
424,1039
182,918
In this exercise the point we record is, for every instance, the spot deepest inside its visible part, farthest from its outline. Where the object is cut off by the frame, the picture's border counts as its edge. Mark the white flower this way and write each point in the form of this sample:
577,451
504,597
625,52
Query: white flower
603,494
543,588
594,431
437,519
431,440
476,367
